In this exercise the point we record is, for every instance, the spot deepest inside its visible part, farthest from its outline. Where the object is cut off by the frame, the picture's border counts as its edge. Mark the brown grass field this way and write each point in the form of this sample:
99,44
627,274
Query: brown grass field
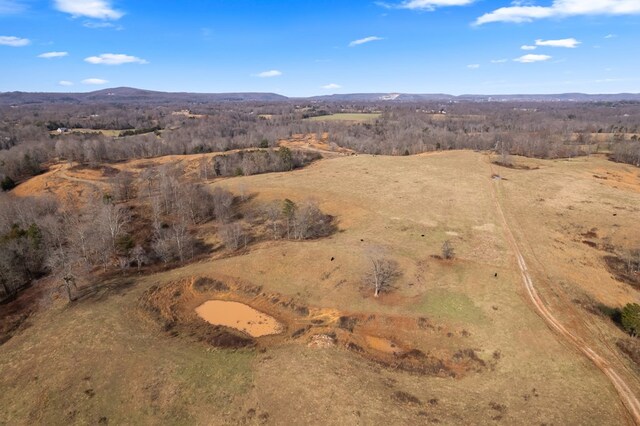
106,360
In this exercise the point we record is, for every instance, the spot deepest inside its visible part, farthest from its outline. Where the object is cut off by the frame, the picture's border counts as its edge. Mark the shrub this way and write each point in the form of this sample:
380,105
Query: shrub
447,250
630,318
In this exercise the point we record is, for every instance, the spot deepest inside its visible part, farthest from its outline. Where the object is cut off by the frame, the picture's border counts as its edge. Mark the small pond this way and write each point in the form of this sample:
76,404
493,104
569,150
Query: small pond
239,316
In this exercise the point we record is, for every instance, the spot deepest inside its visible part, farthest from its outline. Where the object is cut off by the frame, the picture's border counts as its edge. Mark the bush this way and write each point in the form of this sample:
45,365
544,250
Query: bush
630,318
447,250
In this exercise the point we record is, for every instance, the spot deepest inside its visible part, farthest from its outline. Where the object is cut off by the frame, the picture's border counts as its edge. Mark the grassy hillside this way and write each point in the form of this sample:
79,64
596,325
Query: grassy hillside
105,359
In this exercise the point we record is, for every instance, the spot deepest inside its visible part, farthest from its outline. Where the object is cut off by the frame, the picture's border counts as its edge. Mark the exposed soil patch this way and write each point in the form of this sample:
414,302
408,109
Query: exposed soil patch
243,315
383,345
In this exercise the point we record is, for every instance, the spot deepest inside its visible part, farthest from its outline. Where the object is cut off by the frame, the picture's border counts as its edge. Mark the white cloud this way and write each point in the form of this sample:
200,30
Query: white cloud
65,83
331,86
364,40
94,81
560,9
526,59
499,61
473,66
268,74
528,47
50,55
569,43
114,59
428,5
10,7
97,9
14,41
610,36
100,25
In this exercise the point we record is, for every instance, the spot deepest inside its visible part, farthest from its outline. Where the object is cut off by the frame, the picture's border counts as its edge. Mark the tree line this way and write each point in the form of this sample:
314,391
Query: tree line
544,130
140,220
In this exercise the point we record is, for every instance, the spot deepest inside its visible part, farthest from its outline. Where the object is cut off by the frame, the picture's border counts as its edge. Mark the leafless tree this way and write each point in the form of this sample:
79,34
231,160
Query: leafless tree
273,211
382,270
139,255
310,222
114,218
174,242
222,204
122,187
233,235
64,264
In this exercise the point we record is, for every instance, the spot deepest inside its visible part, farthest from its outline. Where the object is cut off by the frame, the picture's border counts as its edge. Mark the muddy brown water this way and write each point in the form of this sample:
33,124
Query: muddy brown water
239,316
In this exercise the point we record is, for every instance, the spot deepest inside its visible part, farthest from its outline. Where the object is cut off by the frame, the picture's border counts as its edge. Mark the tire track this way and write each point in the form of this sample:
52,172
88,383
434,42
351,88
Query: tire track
626,395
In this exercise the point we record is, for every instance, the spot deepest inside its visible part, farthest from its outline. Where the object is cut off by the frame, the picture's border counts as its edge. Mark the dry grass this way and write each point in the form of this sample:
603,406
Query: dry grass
409,205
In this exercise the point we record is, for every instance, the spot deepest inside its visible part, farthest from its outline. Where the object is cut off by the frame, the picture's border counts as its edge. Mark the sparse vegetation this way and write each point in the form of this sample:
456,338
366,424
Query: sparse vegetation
447,250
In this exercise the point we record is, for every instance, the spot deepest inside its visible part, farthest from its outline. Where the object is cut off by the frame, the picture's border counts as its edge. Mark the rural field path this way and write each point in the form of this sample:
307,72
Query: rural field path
62,172
627,396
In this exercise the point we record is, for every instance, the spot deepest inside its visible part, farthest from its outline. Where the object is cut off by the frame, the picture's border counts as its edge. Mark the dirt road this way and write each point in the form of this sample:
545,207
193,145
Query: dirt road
626,394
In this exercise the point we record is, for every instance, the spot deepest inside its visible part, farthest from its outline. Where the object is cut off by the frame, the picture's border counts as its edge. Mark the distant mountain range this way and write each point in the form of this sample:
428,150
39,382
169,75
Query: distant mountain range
139,96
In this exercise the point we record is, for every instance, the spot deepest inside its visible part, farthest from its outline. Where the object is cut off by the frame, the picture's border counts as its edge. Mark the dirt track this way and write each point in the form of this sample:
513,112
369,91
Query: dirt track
627,396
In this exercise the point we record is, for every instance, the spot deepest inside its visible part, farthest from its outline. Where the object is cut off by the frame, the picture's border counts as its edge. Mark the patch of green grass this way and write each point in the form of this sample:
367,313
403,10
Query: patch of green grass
450,305
220,373
346,117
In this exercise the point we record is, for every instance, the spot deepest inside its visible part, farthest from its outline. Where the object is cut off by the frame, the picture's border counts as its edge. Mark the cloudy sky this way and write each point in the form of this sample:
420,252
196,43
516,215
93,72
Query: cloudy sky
308,47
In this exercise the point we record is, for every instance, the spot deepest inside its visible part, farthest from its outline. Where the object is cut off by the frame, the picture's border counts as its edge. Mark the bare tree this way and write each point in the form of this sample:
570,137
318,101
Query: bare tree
310,222
175,242
64,265
382,270
139,255
222,204
233,235
122,187
273,212
114,218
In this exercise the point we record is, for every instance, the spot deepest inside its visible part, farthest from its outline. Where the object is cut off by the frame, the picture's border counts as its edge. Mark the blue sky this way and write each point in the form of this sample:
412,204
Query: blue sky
302,48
